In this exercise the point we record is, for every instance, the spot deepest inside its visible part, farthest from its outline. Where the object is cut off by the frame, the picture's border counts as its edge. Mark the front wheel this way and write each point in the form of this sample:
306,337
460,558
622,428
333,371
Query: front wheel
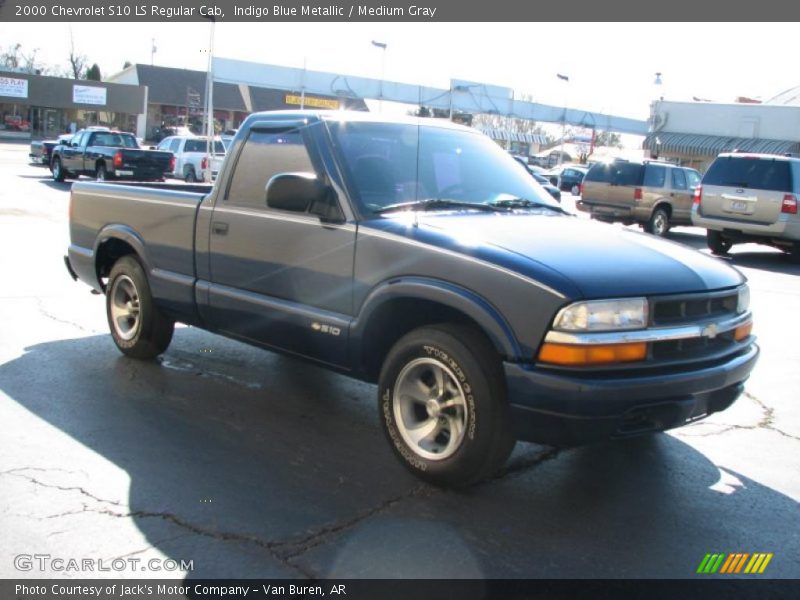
442,402
137,326
659,222
717,243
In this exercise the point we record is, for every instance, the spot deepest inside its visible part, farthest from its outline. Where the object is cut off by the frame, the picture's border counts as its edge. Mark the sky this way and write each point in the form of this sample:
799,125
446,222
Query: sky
611,67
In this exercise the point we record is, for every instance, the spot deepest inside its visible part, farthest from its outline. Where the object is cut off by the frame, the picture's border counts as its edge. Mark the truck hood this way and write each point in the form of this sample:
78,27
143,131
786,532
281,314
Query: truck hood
577,257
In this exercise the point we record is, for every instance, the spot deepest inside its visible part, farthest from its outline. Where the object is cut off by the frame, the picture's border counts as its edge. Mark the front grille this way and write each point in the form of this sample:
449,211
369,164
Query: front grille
692,347
678,310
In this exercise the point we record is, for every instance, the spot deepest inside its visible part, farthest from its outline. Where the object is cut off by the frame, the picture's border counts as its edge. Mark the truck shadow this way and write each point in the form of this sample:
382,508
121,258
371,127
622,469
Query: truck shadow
254,465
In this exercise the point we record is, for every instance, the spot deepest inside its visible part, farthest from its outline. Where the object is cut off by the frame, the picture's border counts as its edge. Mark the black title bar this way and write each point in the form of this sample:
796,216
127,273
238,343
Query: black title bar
408,11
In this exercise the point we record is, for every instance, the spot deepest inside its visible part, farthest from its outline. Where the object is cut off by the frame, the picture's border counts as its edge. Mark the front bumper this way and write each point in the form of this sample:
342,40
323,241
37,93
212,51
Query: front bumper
559,409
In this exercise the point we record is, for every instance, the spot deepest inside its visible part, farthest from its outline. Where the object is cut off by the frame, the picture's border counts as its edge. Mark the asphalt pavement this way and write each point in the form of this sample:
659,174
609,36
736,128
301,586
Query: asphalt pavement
222,460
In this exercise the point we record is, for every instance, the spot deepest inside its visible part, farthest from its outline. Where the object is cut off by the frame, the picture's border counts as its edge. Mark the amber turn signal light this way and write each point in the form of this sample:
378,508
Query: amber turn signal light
572,355
743,331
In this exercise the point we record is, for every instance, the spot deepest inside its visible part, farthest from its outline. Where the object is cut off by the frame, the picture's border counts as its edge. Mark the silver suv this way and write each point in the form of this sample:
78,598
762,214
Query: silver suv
750,198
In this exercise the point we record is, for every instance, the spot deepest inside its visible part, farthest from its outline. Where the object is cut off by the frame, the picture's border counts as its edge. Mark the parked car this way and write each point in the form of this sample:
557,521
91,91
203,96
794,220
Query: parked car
191,159
567,177
540,179
42,150
227,137
416,254
654,194
750,198
106,154
163,131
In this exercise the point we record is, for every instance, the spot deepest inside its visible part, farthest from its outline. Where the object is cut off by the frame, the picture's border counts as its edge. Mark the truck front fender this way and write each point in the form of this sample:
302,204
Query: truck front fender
433,292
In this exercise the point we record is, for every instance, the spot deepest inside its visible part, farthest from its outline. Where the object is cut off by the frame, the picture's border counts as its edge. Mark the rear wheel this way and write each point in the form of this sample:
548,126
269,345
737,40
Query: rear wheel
100,173
191,177
717,243
442,402
794,253
137,326
658,223
58,170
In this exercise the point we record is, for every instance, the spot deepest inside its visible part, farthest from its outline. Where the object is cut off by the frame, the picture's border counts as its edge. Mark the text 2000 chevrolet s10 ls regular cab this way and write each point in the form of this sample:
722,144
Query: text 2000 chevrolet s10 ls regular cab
419,255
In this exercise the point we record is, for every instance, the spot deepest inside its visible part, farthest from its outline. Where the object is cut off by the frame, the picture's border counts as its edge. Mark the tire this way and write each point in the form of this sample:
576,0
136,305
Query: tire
100,173
659,222
794,253
463,442
137,326
191,177
58,172
718,244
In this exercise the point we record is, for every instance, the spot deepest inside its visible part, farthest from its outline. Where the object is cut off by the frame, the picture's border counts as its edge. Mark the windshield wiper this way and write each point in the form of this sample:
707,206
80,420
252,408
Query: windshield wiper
438,203
525,203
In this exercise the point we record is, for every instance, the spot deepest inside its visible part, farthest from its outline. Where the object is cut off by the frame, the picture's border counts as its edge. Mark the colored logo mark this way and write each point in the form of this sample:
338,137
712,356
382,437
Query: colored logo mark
737,562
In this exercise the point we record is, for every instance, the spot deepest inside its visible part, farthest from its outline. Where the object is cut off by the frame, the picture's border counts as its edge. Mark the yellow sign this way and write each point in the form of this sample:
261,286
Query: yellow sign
312,102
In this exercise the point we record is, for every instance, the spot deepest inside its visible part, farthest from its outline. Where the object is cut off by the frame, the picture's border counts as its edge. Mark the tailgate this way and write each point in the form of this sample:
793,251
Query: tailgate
757,206
747,188
146,159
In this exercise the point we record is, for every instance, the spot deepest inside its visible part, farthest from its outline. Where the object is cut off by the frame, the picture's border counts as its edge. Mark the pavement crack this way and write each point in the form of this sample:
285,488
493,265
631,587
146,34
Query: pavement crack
300,546
516,467
766,422
63,488
45,313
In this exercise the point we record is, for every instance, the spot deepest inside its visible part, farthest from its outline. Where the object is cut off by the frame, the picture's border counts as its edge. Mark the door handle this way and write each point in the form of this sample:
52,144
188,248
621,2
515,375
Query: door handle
219,227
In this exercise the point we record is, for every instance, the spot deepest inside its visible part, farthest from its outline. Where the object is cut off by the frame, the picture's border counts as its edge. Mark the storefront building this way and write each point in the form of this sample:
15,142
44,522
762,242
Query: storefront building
694,133
36,106
176,98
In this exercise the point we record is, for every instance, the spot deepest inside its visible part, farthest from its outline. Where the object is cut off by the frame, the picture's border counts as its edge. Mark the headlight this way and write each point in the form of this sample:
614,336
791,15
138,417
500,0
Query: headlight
603,315
743,301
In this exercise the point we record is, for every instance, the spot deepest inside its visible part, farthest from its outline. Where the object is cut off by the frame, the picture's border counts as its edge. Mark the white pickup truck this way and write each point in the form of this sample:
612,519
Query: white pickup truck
190,157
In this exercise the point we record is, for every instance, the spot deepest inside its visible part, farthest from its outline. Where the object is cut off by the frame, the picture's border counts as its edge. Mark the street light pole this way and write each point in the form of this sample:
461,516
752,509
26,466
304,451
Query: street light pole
565,79
382,46
209,104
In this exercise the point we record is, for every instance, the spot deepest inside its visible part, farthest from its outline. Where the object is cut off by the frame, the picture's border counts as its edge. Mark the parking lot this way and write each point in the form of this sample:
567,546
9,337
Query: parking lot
235,462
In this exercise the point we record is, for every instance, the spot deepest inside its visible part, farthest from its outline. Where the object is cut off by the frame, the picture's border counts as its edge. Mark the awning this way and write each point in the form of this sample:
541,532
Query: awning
512,136
711,145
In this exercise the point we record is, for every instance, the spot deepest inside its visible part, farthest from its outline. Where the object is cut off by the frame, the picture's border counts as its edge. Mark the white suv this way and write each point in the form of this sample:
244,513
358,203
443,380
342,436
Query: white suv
750,198
190,157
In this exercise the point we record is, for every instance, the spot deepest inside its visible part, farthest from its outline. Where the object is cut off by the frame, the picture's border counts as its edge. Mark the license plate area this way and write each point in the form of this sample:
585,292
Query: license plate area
740,206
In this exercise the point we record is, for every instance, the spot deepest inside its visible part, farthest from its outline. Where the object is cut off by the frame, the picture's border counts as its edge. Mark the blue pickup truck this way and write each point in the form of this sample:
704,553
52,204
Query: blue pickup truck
416,254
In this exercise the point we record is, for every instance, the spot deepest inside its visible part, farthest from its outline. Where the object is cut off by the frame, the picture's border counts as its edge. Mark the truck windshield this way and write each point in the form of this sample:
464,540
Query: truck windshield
390,164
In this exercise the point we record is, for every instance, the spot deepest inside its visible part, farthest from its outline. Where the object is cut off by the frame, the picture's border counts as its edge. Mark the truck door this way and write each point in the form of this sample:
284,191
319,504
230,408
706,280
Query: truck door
279,278
72,155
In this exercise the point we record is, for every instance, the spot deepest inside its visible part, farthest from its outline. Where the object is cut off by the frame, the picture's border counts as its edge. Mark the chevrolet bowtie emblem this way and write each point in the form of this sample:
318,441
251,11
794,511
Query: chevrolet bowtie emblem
711,330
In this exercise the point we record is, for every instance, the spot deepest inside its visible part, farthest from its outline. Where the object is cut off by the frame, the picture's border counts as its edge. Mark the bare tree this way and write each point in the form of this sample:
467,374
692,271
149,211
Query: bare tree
76,61
14,58
511,124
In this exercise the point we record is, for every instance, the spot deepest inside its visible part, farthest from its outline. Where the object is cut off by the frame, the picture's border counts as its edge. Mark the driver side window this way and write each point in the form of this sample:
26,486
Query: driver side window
266,153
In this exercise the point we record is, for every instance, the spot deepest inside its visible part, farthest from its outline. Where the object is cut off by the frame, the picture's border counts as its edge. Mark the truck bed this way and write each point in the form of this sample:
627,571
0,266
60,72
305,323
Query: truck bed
157,220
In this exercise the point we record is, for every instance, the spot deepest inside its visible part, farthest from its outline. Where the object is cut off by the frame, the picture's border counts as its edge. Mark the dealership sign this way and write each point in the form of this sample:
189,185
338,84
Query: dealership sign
86,94
16,88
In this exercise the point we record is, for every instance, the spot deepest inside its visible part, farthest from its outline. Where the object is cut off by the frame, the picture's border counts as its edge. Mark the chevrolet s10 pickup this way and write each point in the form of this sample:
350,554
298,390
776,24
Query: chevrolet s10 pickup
416,254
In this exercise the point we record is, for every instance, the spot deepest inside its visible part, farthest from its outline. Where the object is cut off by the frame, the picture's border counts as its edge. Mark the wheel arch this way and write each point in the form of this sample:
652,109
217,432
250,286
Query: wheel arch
114,242
396,307
662,203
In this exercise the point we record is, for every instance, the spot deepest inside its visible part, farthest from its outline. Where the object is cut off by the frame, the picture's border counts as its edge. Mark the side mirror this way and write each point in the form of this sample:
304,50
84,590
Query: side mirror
302,192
